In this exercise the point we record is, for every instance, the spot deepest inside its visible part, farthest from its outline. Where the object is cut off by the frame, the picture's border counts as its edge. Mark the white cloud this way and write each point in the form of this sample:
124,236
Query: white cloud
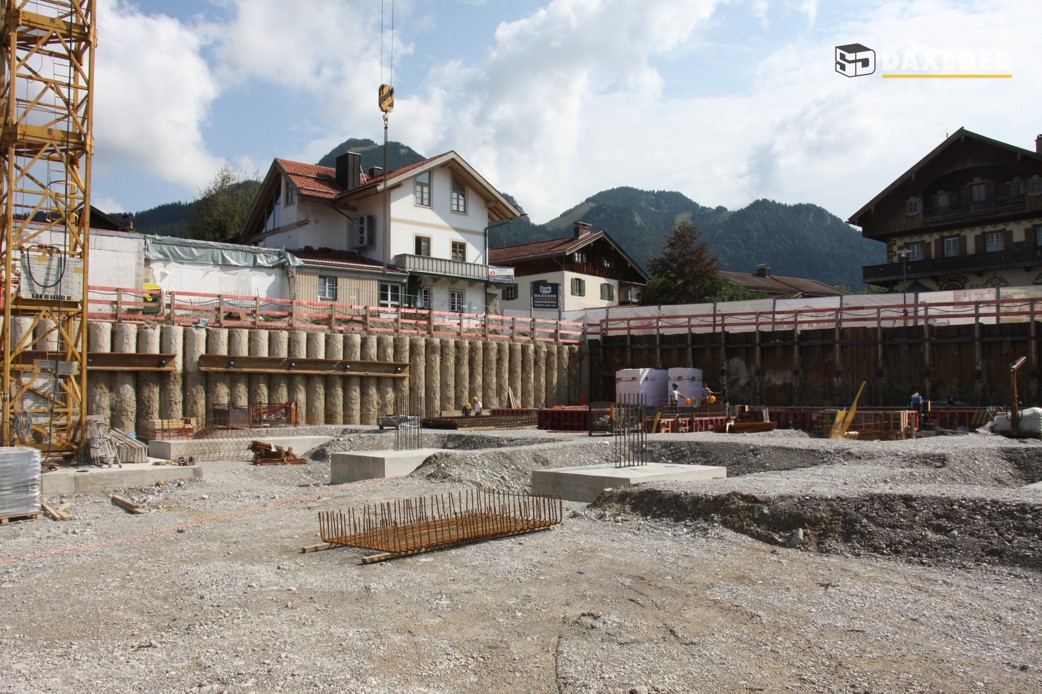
153,94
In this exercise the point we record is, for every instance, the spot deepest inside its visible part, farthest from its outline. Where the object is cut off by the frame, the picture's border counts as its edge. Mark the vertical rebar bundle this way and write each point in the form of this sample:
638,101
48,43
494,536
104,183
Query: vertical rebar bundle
408,430
423,524
630,443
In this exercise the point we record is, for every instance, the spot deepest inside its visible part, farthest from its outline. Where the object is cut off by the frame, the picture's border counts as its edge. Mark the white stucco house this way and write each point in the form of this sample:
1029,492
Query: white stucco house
415,236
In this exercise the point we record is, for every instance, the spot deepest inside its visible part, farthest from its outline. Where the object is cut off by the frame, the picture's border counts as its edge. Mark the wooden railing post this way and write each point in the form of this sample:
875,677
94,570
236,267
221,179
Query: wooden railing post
256,311
293,313
430,321
332,316
220,310
171,315
119,304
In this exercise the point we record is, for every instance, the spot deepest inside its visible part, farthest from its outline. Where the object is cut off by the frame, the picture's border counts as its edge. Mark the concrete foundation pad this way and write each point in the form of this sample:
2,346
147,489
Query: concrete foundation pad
353,466
176,448
586,482
77,480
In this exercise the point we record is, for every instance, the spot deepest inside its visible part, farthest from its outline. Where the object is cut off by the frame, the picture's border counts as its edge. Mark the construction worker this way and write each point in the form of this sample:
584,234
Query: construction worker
477,407
674,395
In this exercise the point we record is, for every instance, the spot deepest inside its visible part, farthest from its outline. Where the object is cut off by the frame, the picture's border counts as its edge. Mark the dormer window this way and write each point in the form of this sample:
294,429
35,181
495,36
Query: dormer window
912,206
291,195
422,189
579,257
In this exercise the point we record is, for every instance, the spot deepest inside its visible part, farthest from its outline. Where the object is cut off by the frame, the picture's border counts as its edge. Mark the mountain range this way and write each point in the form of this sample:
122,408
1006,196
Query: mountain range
802,240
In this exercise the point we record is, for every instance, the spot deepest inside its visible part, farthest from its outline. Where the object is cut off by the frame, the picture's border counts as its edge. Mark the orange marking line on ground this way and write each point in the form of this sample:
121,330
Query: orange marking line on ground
174,528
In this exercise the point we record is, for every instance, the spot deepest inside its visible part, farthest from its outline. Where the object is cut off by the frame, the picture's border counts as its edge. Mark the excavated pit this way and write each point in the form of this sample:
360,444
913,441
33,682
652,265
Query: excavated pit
956,500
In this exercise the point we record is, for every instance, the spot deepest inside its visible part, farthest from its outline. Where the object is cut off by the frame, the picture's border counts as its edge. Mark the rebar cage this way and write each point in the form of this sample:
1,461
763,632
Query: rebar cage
424,524
630,443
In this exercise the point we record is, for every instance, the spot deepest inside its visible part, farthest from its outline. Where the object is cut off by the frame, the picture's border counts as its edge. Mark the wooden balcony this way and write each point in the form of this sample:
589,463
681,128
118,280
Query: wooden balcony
442,267
1020,256
1014,203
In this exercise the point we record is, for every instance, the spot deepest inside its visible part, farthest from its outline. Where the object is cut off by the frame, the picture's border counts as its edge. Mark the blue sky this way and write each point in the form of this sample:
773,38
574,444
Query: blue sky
555,100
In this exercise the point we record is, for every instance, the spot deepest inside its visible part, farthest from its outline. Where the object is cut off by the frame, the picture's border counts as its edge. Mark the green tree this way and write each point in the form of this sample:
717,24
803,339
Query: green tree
222,206
685,273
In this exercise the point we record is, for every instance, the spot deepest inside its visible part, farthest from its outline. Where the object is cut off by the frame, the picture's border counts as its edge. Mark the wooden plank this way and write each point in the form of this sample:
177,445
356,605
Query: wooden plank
317,548
53,514
127,505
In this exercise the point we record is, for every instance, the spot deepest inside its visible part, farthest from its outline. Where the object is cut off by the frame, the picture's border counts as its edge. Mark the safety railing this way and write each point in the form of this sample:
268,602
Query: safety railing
199,309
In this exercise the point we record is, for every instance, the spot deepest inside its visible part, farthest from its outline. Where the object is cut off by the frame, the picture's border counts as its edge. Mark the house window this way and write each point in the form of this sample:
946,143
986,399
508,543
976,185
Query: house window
914,251
1038,235
456,301
578,286
459,197
423,297
993,241
390,295
326,288
1015,187
1035,186
422,191
459,251
510,292
291,195
978,192
951,247
912,206
606,262
423,246
607,291
579,257
942,199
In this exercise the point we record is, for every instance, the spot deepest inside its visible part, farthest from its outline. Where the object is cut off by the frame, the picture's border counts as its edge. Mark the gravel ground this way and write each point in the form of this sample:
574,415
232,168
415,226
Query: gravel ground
817,565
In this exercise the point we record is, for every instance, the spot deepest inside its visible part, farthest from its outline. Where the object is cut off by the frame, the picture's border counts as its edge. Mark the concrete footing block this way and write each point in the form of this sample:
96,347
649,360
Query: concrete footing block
355,466
585,483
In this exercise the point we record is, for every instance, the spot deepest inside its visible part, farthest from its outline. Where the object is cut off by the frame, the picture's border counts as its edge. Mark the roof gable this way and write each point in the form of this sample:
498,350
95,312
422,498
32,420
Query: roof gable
560,248
960,135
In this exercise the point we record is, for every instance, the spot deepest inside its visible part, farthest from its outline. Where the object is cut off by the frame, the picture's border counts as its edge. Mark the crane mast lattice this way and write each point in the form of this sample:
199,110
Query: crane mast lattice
46,76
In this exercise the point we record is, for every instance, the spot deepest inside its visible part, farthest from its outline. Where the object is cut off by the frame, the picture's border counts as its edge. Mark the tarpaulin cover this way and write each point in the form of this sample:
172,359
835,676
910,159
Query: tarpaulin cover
213,253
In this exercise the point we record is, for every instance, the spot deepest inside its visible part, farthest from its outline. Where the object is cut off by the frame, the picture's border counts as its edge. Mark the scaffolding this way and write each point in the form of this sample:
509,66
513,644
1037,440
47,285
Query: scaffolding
47,58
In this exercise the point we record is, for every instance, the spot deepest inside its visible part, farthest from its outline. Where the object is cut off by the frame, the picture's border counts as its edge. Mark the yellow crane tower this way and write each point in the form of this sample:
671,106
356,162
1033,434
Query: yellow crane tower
45,151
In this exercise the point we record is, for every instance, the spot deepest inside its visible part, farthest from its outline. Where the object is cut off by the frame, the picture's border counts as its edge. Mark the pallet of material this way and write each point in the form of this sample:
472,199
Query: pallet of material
181,428
130,450
19,483
16,517
271,454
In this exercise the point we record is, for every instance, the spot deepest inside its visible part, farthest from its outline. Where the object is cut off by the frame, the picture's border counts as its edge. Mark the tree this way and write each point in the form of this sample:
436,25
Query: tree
686,273
222,206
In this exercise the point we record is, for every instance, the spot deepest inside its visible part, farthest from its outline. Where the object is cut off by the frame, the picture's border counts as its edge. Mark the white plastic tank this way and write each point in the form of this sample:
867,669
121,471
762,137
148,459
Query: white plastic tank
653,384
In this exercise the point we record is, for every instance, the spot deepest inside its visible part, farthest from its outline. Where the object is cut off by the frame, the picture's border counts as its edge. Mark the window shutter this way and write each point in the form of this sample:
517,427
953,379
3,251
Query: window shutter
978,242
1007,239
938,248
962,245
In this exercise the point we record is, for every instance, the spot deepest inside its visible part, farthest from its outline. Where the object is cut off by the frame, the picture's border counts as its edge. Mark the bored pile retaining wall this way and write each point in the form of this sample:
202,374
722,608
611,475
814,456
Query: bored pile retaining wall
442,372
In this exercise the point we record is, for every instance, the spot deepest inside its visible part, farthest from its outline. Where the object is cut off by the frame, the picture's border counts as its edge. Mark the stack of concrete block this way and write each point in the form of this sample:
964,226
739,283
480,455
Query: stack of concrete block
19,481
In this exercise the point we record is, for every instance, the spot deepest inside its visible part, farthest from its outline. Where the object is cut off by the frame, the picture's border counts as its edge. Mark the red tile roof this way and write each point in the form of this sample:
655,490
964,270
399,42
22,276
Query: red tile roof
345,260
320,181
778,285
552,248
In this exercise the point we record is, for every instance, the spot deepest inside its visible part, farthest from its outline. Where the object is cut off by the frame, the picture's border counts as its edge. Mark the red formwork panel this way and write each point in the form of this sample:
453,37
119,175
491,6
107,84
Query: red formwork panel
567,418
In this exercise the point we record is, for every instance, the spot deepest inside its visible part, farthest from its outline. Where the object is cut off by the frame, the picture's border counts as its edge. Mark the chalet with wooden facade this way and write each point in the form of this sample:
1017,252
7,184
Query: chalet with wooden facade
585,270
968,215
